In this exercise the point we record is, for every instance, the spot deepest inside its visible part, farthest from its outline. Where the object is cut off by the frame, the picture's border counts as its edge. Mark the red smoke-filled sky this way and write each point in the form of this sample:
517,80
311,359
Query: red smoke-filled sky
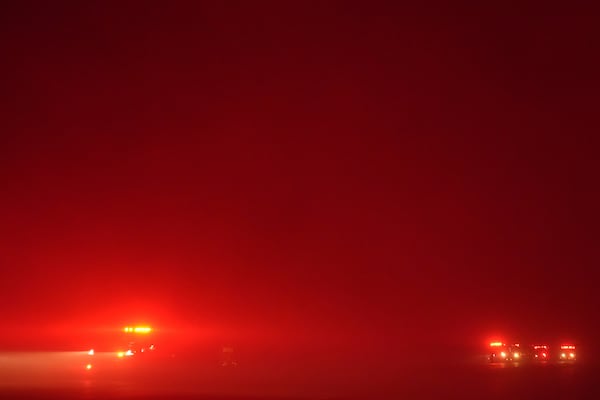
321,169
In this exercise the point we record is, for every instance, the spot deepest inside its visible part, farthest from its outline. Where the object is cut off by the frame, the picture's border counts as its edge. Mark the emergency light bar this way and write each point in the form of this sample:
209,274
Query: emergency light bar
137,329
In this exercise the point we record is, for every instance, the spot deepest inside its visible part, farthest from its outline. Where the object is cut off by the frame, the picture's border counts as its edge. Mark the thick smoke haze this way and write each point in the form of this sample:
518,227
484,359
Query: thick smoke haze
361,174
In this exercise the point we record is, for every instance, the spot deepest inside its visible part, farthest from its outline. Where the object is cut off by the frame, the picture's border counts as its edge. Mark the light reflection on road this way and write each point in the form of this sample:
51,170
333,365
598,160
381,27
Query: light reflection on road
122,377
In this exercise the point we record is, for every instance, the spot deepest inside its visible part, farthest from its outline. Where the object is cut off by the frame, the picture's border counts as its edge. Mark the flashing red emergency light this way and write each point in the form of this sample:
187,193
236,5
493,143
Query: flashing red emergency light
137,329
567,347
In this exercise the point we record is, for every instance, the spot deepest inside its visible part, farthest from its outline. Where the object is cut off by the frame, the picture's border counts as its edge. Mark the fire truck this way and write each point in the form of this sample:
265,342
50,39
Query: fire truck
132,341
540,352
567,353
502,352
138,341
